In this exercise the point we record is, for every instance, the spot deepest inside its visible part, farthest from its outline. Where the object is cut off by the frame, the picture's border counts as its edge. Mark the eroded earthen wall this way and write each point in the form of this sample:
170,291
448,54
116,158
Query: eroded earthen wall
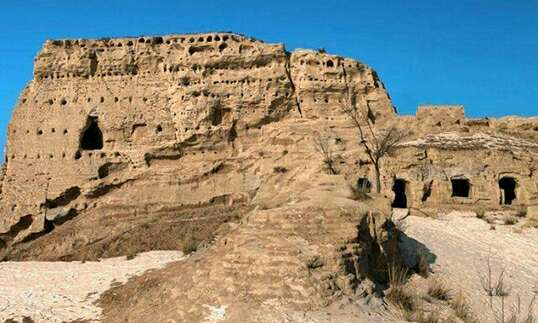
168,110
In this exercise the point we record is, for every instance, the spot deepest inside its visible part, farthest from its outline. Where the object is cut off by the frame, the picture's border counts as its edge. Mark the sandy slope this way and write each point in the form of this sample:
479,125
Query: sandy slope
65,291
459,249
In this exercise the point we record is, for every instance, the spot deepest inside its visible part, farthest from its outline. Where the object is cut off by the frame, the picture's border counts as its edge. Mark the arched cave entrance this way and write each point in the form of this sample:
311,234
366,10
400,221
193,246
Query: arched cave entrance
400,199
92,138
461,187
508,190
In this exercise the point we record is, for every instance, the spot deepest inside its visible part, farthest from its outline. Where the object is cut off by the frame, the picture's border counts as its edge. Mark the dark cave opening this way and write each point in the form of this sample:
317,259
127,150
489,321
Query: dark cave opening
508,190
400,198
461,187
92,138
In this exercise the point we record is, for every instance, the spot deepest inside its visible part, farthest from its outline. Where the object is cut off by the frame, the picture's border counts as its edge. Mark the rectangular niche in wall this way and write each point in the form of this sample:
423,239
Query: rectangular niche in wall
461,187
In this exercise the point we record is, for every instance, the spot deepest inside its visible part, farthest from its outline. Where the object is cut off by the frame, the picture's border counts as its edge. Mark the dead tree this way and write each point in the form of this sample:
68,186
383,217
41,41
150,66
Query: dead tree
379,144
322,144
497,290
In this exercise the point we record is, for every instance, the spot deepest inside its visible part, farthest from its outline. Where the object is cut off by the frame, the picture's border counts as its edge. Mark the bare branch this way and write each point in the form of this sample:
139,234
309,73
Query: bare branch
323,145
380,144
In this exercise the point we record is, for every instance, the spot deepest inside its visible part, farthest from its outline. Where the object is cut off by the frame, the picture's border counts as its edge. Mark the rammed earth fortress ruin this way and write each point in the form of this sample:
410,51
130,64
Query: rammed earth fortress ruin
113,125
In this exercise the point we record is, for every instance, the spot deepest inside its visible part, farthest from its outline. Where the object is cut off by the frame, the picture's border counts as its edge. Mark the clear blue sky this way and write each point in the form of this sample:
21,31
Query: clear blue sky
480,53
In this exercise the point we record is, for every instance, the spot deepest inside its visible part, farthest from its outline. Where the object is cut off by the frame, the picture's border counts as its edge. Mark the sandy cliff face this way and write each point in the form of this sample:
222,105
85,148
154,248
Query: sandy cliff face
148,114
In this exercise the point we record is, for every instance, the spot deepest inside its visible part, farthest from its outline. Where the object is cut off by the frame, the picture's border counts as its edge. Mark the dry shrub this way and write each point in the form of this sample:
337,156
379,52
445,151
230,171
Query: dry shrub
397,275
493,286
399,294
438,288
521,213
190,245
514,314
314,263
404,299
461,308
497,289
510,220
517,315
531,223
431,317
480,213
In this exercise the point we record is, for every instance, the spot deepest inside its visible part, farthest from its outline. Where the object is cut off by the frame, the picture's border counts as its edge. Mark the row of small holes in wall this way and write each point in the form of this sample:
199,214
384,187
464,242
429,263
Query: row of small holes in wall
328,63
76,205
151,41
188,83
86,75
63,155
133,72
322,100
212,127
311,79
39,156
63,101
186,51
40,131
196,67
105,74
201,152
118,74
189,51
109,73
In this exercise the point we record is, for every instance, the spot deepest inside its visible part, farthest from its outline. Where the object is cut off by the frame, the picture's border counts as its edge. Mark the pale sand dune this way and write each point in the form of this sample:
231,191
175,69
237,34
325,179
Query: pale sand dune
66,291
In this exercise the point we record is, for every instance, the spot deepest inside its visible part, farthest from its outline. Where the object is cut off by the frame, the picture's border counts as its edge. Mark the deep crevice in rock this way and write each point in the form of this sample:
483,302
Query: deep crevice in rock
293,88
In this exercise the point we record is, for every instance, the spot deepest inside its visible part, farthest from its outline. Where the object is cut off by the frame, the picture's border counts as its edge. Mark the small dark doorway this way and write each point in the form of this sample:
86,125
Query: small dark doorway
364,185
508,190
92,138
460,187
400,199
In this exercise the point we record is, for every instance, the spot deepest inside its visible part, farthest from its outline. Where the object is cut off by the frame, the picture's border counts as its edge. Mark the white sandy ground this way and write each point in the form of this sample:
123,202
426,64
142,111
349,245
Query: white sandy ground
66,291
461,245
